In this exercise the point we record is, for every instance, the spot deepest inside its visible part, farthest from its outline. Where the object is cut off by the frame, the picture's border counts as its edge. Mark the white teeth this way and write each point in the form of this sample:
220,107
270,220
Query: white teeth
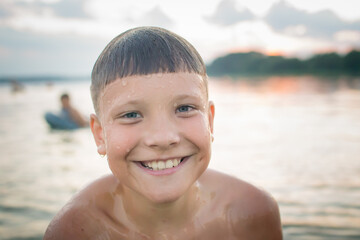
176,162
154,165
161,165
169,164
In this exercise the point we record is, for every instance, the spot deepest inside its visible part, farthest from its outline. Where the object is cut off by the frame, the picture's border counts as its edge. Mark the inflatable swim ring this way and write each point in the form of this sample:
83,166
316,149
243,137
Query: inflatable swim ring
60,121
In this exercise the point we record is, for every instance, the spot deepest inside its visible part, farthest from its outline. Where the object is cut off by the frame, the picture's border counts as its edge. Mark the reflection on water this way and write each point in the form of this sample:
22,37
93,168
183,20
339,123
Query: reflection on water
297,137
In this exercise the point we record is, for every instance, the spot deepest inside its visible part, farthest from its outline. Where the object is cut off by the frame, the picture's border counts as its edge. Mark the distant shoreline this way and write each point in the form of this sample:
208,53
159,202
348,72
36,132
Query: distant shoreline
42,79
322,75
257,64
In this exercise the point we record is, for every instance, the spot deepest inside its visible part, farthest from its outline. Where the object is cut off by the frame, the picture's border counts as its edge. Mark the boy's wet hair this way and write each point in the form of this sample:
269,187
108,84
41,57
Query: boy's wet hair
142,51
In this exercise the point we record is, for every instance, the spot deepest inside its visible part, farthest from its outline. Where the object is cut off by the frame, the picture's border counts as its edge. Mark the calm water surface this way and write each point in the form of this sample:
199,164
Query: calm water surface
296,137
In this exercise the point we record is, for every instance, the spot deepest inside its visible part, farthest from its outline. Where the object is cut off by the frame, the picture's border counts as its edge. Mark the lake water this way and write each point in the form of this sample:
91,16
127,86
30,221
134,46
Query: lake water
296,137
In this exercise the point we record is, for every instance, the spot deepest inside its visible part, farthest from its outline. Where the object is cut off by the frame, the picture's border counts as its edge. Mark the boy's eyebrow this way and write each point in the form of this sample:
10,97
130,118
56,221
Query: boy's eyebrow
116,104
182,96
130,102
176,98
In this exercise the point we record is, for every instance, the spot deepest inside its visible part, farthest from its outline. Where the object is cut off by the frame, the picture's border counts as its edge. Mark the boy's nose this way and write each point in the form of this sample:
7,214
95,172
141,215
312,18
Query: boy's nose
162,136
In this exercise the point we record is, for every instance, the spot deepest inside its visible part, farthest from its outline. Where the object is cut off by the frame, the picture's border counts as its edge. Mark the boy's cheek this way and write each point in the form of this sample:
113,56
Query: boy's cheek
200,126
199,133
120,140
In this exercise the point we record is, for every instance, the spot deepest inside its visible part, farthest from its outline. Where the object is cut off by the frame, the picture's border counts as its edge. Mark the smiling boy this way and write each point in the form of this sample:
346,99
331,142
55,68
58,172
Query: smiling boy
154,123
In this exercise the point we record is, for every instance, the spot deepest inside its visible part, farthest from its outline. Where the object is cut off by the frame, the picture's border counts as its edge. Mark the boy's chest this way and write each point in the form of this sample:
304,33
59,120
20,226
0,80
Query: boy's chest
212,229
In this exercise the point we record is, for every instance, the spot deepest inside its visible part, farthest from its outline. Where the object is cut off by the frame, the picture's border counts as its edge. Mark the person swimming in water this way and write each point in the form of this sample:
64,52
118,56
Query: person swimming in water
68,118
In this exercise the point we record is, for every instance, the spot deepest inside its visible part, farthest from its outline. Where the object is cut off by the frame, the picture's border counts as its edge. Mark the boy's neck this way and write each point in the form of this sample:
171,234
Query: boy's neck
156,217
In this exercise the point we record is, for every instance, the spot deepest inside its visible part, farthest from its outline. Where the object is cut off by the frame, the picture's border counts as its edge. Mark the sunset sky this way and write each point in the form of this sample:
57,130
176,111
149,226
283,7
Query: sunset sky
64,37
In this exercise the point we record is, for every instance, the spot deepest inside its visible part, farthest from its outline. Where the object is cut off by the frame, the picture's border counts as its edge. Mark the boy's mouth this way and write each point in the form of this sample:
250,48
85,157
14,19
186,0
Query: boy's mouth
159,165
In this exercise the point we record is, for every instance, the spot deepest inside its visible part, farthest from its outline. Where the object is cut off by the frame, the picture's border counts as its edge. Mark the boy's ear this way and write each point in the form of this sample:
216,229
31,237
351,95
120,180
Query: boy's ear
97,131
211,114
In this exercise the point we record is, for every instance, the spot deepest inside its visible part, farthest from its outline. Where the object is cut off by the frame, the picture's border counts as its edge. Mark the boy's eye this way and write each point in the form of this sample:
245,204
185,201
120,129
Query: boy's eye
131,115
184,109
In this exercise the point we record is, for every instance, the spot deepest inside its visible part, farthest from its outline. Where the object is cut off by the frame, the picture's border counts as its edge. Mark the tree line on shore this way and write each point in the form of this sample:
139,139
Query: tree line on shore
255,63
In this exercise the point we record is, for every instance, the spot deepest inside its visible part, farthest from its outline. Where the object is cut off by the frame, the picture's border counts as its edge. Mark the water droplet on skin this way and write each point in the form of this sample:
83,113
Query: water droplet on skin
110,121
124,82
127,150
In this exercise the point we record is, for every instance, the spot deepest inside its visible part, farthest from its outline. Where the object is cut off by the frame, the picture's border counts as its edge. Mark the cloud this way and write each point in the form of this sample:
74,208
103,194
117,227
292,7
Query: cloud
70,8
287,19
155,17
62,8
227,14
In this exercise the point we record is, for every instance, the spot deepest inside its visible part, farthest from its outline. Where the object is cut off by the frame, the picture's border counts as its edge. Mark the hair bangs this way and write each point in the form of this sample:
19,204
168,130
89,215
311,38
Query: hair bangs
143,51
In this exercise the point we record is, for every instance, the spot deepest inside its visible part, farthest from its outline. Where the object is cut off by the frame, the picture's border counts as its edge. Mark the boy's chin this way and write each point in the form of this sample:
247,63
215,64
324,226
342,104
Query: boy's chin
164,197
171,192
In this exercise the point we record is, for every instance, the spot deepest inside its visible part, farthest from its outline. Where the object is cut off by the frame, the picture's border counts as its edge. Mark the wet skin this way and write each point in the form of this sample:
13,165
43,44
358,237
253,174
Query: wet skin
145,123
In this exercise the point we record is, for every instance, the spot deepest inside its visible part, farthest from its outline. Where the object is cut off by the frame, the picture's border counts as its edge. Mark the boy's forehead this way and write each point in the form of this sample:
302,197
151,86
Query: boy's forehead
186,82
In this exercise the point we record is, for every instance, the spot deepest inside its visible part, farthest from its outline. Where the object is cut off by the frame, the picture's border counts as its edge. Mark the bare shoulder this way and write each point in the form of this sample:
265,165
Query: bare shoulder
253,213
81,217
